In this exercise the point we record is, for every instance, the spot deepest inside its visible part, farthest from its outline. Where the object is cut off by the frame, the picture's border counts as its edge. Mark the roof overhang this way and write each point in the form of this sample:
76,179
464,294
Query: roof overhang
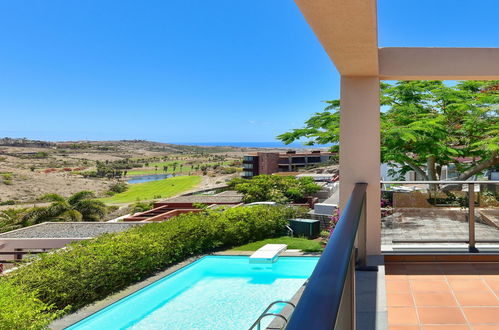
439,63
348,31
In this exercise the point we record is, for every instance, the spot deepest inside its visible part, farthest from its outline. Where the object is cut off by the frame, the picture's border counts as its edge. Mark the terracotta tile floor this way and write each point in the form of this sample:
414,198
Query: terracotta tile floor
442,296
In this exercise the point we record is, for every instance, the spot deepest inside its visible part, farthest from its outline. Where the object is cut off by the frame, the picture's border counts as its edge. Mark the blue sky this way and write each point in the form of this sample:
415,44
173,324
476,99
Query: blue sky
189,70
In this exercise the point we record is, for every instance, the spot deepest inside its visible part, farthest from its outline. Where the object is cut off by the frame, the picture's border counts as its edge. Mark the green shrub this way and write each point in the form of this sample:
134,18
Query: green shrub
20,309
90,270
118,187
142,206
279,189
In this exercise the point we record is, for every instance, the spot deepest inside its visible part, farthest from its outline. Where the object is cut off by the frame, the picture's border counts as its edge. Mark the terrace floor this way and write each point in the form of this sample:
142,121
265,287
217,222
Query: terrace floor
419,227
456,296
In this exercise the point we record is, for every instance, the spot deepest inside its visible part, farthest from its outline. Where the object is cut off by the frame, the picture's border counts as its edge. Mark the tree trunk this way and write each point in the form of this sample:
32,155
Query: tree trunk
416,168
483,165
432,173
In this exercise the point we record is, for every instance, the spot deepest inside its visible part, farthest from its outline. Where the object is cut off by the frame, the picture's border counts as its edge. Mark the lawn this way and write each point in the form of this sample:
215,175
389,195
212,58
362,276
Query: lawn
298,243
155,189
184,169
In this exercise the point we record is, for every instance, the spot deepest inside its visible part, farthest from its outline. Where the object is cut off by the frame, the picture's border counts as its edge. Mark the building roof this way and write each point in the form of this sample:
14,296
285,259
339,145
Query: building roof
229,193
206,199
299,154
68,230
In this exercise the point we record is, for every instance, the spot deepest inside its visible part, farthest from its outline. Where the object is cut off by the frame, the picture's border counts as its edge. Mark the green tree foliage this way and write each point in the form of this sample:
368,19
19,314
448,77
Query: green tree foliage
274,188
79,207
90,270
11,219
426,125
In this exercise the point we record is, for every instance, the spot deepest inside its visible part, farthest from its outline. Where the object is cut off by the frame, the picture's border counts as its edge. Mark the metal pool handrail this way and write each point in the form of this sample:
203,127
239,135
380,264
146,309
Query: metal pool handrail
328,300
258,322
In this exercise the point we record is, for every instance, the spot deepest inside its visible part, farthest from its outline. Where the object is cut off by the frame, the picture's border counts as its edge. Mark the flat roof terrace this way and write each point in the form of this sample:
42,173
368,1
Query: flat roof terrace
68,230
55,235
204,199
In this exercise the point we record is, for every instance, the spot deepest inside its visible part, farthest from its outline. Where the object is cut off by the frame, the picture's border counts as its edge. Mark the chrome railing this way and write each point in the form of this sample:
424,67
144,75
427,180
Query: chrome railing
266,313
328,301
471,203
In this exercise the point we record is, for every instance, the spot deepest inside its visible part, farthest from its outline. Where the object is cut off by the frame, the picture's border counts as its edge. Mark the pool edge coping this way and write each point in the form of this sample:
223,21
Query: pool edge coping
84,312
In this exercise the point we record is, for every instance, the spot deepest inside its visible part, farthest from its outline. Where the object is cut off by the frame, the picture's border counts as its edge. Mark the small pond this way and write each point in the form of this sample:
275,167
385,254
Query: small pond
147,178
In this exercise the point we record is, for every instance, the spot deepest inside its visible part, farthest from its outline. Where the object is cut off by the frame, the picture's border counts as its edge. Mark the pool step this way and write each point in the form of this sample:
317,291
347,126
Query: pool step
267,254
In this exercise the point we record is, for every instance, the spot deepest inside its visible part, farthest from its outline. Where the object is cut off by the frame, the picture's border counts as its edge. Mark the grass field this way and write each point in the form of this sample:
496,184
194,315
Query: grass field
292,242
155,189
184,169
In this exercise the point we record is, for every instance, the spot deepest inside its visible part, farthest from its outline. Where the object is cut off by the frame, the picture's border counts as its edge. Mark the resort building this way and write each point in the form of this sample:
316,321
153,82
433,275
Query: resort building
275,162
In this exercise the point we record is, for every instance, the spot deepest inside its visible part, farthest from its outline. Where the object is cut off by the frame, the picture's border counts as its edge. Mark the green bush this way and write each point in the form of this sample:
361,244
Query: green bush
142,206
118,187
20,309
279,189
91,270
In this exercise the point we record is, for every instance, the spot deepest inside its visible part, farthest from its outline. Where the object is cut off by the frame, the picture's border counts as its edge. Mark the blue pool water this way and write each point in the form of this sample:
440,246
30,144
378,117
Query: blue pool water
147,178
215,292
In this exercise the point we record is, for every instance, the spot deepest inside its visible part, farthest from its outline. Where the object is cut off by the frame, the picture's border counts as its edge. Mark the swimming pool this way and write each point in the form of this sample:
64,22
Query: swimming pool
214,292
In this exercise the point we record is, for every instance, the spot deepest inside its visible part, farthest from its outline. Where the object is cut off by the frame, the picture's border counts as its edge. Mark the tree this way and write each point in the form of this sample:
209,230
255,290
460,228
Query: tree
80,206
424,126
274,188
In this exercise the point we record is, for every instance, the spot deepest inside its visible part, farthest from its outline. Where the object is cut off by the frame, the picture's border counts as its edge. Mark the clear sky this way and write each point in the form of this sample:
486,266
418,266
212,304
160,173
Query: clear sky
189,70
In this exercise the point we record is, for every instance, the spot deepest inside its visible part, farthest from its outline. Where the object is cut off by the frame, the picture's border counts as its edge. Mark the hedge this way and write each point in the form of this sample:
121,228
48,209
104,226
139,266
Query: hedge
21,309
90,270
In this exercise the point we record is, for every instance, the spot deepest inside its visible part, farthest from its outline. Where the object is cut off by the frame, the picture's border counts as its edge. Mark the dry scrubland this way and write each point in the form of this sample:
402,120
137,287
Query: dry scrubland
29,169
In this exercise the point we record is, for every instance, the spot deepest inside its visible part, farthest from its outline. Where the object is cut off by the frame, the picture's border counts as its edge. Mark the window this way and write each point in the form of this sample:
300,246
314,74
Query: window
298,160
314,159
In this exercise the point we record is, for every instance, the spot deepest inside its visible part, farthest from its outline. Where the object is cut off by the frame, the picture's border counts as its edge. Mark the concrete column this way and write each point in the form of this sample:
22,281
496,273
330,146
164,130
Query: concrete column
360,149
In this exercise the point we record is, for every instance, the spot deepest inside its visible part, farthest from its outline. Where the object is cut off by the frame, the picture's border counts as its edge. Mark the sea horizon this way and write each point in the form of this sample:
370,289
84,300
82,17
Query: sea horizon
270,144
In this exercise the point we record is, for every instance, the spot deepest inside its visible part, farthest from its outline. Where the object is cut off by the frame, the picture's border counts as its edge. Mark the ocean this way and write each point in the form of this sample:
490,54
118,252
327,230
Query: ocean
294,145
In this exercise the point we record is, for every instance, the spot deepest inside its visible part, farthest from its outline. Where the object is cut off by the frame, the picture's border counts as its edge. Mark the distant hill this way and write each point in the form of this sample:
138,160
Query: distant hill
114,146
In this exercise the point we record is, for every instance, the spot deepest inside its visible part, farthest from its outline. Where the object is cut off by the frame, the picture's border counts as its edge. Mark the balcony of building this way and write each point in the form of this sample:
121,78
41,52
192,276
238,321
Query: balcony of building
432,268
437,283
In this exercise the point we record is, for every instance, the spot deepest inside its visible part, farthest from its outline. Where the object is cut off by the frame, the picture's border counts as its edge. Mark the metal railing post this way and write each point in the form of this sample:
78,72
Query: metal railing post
471,218
362,238
352,293
346,312
362,241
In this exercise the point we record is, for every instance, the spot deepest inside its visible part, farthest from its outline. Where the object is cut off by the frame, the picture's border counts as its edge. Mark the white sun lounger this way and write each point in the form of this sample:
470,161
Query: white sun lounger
267,254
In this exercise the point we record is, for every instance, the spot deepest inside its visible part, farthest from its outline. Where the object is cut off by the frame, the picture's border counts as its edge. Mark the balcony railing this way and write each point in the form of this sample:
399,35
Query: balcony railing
436,212
328,301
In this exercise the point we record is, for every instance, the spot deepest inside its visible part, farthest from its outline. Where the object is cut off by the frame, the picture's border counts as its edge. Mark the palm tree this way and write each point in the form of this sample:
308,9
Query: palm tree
10,219
80,206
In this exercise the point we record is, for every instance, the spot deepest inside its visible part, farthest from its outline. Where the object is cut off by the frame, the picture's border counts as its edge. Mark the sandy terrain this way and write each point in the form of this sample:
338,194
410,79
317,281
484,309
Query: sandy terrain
30,175
29,169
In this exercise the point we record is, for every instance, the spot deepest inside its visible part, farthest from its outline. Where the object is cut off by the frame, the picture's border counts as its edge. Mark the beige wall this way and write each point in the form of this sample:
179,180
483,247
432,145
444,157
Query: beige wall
360,149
